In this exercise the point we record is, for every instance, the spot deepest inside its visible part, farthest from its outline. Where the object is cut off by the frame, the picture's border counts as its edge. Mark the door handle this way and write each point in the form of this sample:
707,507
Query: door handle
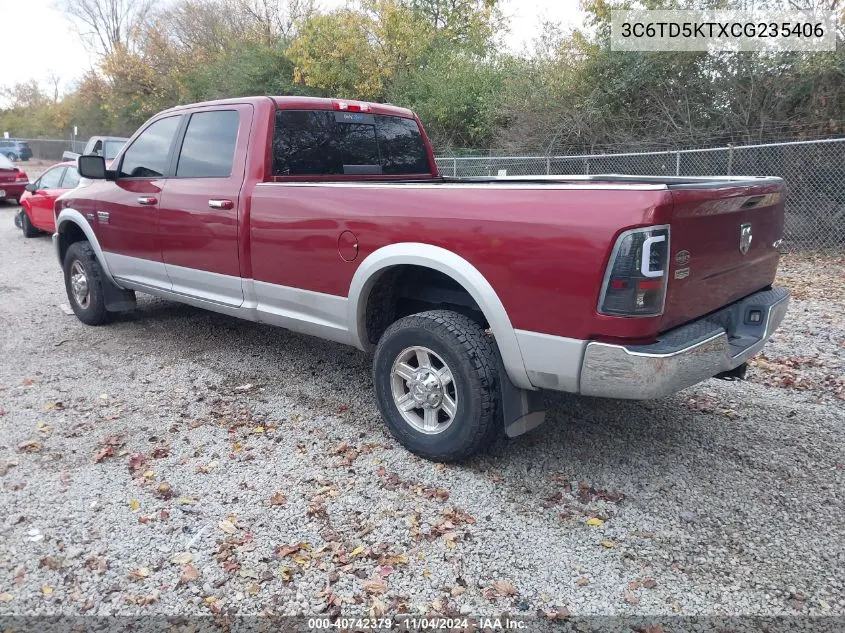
221,204
147,201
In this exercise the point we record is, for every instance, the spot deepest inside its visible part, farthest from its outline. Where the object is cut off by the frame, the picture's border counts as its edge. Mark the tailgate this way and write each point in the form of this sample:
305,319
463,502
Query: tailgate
724,245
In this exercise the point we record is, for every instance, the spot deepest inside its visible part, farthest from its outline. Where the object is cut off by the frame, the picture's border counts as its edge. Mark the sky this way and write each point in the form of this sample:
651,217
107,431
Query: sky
42,42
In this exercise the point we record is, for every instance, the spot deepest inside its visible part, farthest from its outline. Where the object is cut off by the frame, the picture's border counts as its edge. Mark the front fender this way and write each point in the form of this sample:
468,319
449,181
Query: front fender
69,216
452,265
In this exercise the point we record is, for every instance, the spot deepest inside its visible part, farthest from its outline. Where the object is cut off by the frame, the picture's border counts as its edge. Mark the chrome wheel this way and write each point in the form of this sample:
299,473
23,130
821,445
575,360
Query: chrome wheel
79,285
424,390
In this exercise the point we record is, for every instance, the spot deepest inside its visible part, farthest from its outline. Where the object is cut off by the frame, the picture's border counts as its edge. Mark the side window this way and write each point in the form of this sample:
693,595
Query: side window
71,178
51,179
148,157
209,145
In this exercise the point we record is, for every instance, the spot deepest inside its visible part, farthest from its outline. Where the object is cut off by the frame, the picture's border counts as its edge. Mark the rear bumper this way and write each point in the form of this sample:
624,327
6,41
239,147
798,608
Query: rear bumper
13,189
686,355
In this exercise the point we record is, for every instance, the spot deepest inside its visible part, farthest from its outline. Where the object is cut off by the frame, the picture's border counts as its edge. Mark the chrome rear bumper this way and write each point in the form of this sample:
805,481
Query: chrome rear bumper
686,355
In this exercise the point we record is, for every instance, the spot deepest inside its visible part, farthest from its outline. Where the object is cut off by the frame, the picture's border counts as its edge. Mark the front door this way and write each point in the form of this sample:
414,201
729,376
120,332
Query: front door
198,214
47,189
127,219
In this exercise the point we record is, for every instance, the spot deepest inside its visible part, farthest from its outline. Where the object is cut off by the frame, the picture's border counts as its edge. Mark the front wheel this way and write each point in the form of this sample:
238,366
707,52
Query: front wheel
83,282
26,226
437,385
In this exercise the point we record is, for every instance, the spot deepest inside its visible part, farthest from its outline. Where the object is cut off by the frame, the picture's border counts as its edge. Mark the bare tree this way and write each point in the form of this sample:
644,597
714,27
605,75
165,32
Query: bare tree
108,25
273,19
54,80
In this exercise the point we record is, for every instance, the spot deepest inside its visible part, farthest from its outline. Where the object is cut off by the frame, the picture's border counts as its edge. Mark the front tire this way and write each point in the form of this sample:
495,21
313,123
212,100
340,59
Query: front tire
84,284
436,385
26,226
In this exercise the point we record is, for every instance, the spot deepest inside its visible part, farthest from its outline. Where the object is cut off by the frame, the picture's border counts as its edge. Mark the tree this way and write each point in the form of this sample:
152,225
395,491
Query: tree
109,25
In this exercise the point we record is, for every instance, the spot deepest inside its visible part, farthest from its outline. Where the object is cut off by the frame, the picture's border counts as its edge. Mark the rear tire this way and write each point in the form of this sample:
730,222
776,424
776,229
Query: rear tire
11,157
26,226
436,382
84,284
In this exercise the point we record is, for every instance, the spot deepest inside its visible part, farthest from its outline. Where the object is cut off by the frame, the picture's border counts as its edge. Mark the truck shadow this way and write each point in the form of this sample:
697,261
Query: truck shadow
577,429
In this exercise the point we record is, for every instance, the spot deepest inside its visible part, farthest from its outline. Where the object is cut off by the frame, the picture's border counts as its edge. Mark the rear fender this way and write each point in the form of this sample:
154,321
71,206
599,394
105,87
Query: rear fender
452,265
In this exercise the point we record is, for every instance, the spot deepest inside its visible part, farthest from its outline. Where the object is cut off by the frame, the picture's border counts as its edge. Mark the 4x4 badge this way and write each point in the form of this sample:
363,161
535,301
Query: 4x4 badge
744,237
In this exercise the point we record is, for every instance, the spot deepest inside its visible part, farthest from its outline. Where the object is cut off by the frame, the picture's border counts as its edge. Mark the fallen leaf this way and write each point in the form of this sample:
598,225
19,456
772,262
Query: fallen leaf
649,583
164,491
607,543
134,505
30,446
139,574
278,499
227,526
182,558
595,521
504,588
50,562
562,613
375,586
188,573
162,450
583,581
356,551
630,598
46,590
258,429
106,451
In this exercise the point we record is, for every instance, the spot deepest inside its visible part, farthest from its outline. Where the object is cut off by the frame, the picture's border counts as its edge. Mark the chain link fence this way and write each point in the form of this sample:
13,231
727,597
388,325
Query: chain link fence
814,172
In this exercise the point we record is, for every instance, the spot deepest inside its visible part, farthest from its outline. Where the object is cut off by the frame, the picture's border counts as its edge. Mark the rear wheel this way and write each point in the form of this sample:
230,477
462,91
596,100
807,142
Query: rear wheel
437,385
84,284
11,156
26,226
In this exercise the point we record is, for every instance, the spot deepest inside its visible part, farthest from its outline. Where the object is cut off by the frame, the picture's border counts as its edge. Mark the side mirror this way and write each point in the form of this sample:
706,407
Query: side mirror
92,167
31,187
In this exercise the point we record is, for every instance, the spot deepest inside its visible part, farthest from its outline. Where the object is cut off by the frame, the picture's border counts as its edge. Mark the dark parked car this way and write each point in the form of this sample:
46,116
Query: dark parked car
15,150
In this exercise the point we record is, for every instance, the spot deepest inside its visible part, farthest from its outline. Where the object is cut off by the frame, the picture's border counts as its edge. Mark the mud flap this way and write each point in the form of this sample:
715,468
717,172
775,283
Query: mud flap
522,409
117,299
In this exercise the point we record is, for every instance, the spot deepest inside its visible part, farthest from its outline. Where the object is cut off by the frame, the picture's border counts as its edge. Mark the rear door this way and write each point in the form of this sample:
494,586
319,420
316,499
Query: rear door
198,214
48,188
126,222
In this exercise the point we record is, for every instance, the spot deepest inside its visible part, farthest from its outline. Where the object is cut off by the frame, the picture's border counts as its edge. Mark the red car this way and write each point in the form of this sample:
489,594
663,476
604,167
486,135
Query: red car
328,217
12,180
40,196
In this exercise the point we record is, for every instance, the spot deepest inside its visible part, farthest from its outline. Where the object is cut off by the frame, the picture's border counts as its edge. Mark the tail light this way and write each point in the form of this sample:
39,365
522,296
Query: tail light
351,106
21,175
637,273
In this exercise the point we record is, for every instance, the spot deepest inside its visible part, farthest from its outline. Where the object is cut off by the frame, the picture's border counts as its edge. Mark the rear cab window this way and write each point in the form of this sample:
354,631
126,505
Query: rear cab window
341,143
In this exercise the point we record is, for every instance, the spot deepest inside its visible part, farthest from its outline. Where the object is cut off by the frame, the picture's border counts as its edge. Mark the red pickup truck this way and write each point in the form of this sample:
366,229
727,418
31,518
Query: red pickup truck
328,217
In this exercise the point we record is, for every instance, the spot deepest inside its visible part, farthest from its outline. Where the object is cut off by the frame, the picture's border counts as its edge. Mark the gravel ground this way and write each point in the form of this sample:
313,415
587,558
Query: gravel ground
183,462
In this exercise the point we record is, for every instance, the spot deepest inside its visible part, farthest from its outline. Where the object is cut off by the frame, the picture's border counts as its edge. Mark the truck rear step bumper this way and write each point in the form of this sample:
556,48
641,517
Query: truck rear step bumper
686,355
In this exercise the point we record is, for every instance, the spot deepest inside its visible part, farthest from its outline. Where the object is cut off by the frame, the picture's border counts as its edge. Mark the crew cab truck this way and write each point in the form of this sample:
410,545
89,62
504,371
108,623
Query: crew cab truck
328,217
